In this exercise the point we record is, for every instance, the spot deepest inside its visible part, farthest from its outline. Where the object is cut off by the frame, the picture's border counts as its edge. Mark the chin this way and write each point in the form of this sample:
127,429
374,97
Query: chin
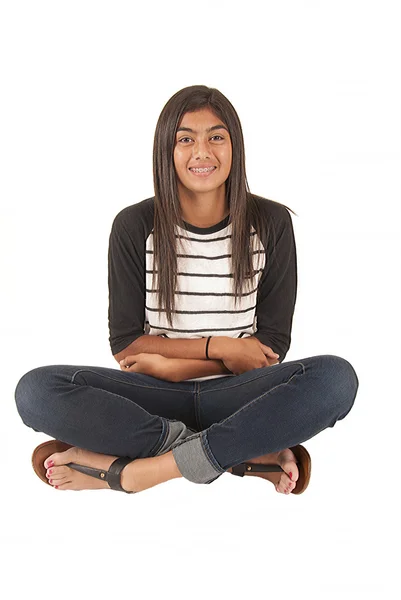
204,186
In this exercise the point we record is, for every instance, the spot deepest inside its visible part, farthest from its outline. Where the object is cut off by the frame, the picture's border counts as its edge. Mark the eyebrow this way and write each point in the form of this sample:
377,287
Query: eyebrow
207,130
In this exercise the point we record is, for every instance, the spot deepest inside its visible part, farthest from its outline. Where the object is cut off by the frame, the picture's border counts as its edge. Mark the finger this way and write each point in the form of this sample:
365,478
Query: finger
267,350
129,360
128,365
134,368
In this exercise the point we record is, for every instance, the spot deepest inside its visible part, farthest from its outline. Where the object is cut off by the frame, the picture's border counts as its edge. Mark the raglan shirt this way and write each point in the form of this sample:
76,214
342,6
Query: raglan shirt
204,293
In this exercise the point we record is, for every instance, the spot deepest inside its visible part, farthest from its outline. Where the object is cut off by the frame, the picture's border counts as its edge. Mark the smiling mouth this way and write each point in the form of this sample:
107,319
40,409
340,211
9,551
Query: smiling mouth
202,172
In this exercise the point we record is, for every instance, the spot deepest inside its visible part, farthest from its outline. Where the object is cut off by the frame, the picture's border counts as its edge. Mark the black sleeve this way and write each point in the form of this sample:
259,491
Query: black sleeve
126,281
278,286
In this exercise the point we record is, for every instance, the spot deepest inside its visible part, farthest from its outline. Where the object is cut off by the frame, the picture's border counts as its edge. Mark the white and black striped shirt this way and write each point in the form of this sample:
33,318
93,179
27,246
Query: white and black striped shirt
204,295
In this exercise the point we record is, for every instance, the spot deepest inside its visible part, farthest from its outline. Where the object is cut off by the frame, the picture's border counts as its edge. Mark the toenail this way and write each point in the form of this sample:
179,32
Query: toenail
290,475
50,480
56,486
50,471
51,463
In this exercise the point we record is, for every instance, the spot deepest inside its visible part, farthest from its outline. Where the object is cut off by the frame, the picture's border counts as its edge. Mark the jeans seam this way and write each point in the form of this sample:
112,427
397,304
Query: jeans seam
150,387
162,438
197,405
249,380
209,455
259,397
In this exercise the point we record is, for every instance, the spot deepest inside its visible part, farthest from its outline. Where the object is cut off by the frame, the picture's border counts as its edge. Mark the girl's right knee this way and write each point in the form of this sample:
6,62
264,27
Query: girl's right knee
30,389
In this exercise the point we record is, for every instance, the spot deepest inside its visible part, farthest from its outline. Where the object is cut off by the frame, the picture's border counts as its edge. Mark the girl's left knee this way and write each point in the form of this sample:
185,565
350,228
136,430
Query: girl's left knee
343,380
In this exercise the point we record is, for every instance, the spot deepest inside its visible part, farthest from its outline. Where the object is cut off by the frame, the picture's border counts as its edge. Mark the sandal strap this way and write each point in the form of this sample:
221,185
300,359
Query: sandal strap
238,469
243,468
112,476
99,474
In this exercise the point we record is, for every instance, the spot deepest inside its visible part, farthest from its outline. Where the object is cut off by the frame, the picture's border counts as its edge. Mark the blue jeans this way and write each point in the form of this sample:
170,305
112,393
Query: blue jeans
209,425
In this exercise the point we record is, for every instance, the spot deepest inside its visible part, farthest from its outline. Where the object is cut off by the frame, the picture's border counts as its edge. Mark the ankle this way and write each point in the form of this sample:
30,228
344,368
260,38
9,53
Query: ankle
169,466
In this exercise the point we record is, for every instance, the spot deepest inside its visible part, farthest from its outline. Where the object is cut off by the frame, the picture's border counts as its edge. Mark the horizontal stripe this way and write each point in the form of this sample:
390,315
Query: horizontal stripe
207,257
209,274
203,241
202,312
199,330
203,293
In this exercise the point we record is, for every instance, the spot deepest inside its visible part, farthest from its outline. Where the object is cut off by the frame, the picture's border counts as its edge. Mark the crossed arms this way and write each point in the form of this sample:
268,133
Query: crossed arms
181,359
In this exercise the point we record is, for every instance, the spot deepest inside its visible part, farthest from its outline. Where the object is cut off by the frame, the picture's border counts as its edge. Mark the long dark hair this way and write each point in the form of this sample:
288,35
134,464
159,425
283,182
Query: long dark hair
243,206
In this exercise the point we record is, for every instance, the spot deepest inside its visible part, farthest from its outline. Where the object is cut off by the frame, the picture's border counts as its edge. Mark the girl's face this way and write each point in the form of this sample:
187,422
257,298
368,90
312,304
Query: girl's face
202,141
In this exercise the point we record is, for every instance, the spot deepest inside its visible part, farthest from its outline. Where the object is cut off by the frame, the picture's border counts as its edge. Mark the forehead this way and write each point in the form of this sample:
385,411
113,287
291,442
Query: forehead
204,116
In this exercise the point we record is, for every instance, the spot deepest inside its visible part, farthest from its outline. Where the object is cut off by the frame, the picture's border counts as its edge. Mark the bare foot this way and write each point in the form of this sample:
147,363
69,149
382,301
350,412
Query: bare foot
138,475
283,482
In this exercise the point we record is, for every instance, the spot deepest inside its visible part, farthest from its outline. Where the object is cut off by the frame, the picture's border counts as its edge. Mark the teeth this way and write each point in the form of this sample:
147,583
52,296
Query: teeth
202,170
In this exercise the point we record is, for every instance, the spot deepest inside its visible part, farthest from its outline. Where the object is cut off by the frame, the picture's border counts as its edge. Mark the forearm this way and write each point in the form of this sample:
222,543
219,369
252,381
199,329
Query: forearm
172,348
187,368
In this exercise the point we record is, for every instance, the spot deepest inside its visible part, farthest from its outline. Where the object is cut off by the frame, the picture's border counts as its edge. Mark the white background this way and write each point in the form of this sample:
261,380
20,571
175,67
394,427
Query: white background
317,88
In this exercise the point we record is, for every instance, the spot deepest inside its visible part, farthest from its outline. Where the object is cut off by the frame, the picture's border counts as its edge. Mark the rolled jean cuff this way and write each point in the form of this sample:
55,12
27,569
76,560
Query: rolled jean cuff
177,431
195,460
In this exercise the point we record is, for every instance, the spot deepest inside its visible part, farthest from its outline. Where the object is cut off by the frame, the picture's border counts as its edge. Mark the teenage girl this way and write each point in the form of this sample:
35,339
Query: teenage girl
202,288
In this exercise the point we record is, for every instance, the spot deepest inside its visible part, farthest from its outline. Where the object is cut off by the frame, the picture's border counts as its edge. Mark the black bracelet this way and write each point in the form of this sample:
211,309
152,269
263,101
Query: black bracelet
207,346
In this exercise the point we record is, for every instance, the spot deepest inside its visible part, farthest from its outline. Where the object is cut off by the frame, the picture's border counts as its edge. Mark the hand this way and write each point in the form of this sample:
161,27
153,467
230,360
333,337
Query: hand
245,354
154,365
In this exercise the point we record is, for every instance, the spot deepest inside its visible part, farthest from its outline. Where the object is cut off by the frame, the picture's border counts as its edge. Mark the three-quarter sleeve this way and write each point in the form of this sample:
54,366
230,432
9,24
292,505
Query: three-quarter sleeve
126,282
278,286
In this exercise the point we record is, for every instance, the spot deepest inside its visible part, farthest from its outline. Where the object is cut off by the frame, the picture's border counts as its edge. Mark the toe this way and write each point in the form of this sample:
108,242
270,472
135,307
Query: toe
285,485
58,481
61,458
287,462
291,470
52,460
50,473
66,485
285,480
57,471
58,477
281,488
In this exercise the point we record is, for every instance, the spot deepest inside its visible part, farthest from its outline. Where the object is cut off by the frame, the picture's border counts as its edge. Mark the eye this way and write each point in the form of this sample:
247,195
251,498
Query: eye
188,138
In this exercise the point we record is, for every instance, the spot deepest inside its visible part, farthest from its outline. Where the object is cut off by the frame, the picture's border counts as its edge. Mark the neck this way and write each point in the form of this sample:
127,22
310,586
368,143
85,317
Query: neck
205,209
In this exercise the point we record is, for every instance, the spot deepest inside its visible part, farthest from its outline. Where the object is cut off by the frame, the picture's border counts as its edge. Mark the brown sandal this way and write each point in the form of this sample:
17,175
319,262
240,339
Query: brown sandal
112,476
303,461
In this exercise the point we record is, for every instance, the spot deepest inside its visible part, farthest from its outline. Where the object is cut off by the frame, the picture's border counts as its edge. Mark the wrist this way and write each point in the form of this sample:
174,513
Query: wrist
189,368
217,347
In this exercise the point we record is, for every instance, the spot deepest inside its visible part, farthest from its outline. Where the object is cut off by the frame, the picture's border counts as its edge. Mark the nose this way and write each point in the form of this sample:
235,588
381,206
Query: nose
201,149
